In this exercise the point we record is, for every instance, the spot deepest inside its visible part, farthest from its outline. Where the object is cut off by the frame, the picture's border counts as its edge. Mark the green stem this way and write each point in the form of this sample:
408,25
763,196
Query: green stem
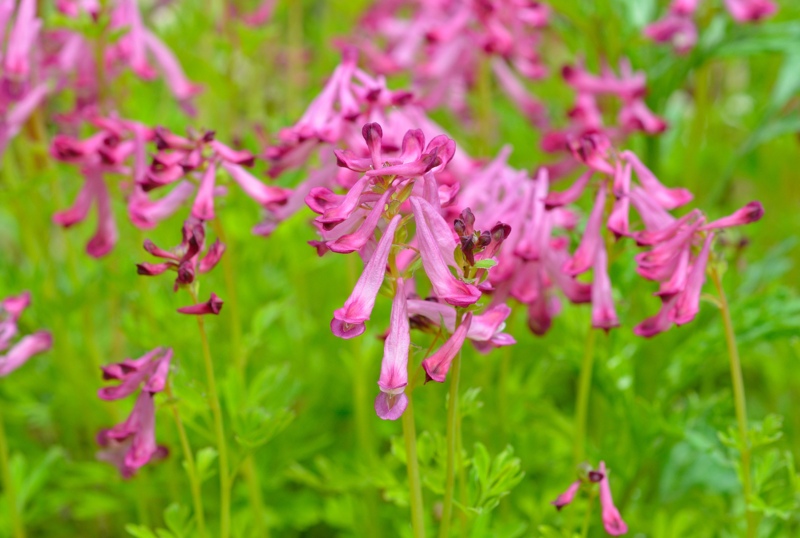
17,527
219,430
412,466
587,516
485,109
739,400
453,420
191,468
296,67
582,402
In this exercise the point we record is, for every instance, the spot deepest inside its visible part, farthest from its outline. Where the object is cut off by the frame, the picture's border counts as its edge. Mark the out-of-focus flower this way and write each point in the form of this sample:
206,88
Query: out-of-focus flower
15,355
392,401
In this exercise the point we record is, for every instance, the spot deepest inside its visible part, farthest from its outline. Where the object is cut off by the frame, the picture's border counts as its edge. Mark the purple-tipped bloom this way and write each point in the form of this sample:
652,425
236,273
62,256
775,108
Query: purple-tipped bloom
665,197
348,321
444,284
752,212
604,316
585,254
150,369
567,497
751,10
392,401
212,306
11,309
612,520
678,30
132,444
437,365
486,328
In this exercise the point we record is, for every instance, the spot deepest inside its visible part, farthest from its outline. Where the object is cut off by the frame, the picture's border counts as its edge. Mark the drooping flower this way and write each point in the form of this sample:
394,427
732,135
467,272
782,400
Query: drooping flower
437,365
612,521
391,402
13,356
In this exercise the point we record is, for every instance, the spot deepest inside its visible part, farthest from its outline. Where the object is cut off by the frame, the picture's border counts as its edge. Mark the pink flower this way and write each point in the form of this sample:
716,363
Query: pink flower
750,10
392,401
185,258
604,316
348,321
665,197
585,254
132,444
752,212
437,365
566,498
444,284
27,347
485,328
212,306
151,369
678,30
612,521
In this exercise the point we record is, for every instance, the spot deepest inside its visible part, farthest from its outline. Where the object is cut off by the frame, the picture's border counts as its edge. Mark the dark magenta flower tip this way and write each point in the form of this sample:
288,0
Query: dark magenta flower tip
212,306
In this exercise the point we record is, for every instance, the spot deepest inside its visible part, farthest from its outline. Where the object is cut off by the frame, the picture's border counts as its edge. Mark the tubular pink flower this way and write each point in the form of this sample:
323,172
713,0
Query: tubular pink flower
444,284
136,437
339,213
665,197
659,323
516,91
27,347
348,321
437,365
655,236
603,314
181,87
559,199
688,303
584,255
636,116
146,213
680,31
203,207
212,306
229,155
612,520
567,497
485,328
391,402
680,273
654,216
751,10
106,235
21,39
618,220
592,150
752,212
151,369
266,195
356,240
683,7
533,234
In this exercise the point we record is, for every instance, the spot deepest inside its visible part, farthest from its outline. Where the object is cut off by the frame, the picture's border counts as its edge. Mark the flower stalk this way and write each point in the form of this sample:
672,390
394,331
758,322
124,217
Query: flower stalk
739,400
219,429
17,525
453,425
582,402
191,467
412,467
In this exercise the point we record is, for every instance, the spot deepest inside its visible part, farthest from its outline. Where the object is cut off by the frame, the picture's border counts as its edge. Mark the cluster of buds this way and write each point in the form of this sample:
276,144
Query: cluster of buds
132,444
589,479
11,308
373,219
678,26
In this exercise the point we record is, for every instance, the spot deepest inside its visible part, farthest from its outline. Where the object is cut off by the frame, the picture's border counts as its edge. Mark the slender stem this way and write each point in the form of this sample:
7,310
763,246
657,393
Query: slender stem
486,111
453,419
219,430
739,400
587,516
412,466
191,467
582,402
18,529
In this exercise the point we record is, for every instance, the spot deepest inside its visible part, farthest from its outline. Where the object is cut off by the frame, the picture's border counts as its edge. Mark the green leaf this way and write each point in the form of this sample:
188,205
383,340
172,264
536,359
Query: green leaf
488,263
205,463
139,531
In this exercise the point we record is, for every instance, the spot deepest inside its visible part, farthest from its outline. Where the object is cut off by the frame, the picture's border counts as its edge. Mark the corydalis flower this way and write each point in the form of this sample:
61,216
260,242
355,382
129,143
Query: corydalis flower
392,401
212,306
184,259
612,521
16,355
132,444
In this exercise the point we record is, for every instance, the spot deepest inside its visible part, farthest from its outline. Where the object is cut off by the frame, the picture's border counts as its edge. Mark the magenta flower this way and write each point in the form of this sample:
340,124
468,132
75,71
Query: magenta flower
185,258
604,316
567,497
16,355
445,285
392,401
586,252
132,444
751,10
437,365
485,331
348,321
212,306
612,521
678,30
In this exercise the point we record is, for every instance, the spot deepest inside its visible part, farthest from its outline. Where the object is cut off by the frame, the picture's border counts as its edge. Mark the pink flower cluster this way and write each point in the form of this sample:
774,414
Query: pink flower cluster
14,356
612,520
395,189
678,26
132,444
